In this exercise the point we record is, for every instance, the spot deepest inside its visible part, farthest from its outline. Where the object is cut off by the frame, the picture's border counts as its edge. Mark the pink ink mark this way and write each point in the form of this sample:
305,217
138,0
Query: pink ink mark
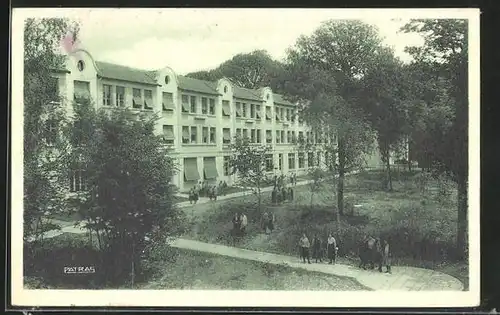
69,44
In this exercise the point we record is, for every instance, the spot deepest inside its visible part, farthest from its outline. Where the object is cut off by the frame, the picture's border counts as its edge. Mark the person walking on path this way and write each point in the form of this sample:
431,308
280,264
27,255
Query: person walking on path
265,222
304,248
272,222
214,193
386,256
283,194
317,249
331,248
244,223
236,224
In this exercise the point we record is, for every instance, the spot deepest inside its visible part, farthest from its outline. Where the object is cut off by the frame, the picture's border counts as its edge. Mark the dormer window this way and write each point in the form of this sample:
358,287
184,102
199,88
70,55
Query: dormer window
267,96
167,79
225,89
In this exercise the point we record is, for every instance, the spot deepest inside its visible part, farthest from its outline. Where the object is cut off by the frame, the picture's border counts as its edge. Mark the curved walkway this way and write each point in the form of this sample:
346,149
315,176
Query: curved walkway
402,278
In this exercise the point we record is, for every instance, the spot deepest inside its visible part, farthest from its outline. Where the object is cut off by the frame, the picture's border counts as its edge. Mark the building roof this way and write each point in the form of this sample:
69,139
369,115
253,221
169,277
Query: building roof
195,85
119,72
278,98
248,94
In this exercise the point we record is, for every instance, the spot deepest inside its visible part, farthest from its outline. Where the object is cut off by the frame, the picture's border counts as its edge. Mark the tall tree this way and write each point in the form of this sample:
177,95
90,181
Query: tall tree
248,161
250,70
446,49
127,194
45,147
384,100
325,68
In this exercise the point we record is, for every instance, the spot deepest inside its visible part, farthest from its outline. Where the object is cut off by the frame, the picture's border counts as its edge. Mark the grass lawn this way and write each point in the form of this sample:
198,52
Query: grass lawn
234,189
406,214
200,271
185,269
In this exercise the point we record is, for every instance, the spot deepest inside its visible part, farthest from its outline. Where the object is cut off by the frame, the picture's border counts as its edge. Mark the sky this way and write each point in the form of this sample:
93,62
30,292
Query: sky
190,40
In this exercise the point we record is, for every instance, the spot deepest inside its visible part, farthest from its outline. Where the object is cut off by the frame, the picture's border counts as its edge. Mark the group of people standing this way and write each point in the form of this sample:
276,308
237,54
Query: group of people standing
372,251
240,223
268,222
318,248
375,251
280,191
206,190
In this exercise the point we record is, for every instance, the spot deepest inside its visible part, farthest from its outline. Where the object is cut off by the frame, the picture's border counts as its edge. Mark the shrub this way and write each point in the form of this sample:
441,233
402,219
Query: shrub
44,263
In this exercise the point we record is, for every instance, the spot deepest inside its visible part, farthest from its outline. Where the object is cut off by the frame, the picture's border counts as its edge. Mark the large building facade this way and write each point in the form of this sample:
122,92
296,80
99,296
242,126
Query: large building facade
199,119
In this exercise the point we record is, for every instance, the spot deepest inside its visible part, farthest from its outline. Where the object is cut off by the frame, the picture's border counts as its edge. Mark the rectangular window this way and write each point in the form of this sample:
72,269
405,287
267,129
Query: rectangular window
185,103
245,133
77,178
226,109
148,99
211,108
168,101
191,170
301,160
168,134
288,137
238,132
120,96
212,134
194,134
204,135
291,161
253,136
238,109
282,136
192,103
106,95
288,114
278,137
292,115
244,110
268,113
204,105
269,163
259,136
280,161
294,138
301,137
282,113
137,98
310,159
226,135
258,114
277,113
81,90
269,136
252,110
226,166
185,134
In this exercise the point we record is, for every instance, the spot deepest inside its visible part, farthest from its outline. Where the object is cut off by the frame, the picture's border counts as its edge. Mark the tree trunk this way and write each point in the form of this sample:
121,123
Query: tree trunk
259,198
388,172
462,226
340,184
